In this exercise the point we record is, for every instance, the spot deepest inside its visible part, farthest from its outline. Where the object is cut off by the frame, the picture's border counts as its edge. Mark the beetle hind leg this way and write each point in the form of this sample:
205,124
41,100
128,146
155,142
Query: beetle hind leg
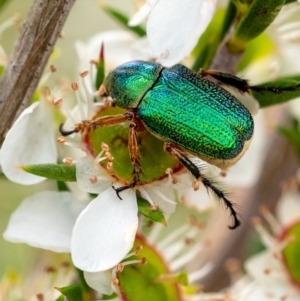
134,156
195,171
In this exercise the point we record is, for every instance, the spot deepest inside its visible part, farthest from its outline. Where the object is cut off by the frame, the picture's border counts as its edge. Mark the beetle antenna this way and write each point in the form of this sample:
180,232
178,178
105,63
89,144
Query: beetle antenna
195,171
65,133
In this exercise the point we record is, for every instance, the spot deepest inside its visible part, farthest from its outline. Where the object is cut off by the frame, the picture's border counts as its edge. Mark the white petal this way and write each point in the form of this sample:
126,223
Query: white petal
288,208
85,169
104,232
198,200
100,281
142,13
265,268
29,141
161,195
174,28
45,220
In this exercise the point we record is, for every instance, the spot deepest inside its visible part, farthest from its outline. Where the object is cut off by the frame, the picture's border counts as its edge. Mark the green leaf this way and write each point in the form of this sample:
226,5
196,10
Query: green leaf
123,19
286,88
100,69
145,209
73,292
1,70
208,43
289,1
2,3
59,172
259,16
145,282
291,253
292,134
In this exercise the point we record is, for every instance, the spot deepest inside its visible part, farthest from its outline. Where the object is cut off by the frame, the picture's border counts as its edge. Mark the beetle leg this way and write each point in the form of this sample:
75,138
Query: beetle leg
87,125
242,84
228,79
134,156
195,171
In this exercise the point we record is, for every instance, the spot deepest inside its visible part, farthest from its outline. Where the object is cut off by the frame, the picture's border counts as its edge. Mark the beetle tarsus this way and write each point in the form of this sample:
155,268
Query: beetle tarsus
64,132
120,189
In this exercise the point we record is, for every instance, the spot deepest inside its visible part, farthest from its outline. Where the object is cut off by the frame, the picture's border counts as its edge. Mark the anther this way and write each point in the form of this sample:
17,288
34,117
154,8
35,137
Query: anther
50,269
93,179
61,35
47,91
154,207
189,241
57,101
174,180
119,268
256,221
169,171
75,86
93,62
102,90
109,165
138,249
109,156
196,185
115,281
223,173
83,73
68,161
53,68
267,271
61,139
143,261
104,147
40,297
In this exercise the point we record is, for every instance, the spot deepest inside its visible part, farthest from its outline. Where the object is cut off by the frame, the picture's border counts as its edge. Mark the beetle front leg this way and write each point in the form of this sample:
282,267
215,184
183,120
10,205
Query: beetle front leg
88,125
195,171
134,156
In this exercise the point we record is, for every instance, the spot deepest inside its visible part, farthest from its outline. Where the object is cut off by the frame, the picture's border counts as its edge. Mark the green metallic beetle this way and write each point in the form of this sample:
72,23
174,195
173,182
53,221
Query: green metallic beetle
191,113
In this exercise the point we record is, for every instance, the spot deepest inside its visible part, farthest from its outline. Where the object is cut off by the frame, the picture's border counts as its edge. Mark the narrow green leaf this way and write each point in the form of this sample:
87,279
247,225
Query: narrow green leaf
287,89
100,68
289,1
259,16
208,43
73,292
59,172
145,209
123,19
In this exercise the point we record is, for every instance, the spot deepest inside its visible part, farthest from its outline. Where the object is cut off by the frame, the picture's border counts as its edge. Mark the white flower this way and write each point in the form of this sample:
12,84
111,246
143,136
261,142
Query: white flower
272,277
174,27
29,141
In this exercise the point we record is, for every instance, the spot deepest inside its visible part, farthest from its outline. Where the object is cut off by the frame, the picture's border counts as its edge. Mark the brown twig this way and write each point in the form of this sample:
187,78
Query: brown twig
30,55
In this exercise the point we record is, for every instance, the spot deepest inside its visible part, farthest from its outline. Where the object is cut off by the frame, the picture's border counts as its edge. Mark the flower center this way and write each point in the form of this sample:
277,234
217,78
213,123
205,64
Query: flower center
154,161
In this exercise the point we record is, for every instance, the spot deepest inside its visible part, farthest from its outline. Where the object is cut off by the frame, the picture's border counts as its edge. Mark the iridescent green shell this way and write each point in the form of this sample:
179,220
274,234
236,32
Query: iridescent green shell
182,107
